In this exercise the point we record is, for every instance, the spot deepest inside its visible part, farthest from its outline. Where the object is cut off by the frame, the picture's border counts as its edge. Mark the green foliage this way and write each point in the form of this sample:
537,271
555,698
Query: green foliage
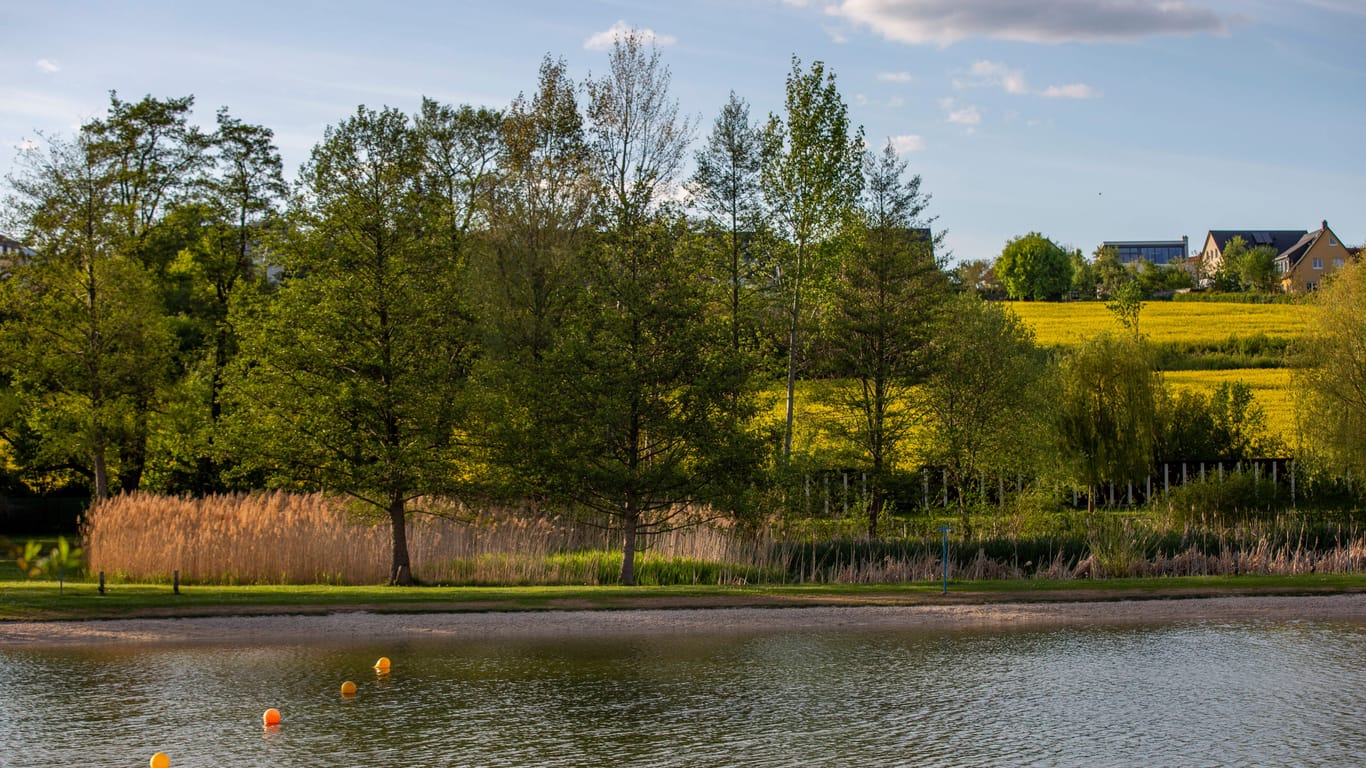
1106,412
1330,381
1237,498
811,181
62,560
1033,267
885,309
1126,302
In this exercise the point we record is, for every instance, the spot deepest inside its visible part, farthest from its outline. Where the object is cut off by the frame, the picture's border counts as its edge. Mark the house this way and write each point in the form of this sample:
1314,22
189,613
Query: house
1211,256
1315,255
1159,253
13,252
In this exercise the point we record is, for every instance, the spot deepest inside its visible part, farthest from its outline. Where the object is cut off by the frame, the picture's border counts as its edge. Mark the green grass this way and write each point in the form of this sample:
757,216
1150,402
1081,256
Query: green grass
40,600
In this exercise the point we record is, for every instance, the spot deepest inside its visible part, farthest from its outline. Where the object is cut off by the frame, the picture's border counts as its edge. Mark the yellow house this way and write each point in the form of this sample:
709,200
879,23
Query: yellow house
1314,256
1211,255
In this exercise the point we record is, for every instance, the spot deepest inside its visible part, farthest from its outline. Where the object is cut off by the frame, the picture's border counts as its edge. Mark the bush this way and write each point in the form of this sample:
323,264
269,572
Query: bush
1236,498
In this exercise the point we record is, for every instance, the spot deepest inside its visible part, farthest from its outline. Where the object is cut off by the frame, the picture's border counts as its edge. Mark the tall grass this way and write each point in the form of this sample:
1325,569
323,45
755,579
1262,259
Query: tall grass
294,538
287,538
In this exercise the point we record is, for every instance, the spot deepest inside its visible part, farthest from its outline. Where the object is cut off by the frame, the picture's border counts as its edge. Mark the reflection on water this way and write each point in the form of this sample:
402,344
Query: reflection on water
1236,695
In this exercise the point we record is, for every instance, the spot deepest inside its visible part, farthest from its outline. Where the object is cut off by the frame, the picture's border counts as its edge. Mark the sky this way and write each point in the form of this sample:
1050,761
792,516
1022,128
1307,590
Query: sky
1086,120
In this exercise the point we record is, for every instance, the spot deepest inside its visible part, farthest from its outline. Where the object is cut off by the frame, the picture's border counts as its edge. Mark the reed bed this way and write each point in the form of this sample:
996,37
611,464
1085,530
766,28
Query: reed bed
280,538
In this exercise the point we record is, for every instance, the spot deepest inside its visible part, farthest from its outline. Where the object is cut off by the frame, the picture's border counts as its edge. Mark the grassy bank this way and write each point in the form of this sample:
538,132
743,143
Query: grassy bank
42,601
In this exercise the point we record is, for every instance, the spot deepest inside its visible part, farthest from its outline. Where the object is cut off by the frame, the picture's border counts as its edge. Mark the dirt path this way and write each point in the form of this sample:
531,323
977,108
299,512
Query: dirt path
668,616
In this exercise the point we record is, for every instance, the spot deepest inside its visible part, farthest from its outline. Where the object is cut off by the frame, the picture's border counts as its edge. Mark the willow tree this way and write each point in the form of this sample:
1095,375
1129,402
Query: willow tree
350,375
811,179
1106,412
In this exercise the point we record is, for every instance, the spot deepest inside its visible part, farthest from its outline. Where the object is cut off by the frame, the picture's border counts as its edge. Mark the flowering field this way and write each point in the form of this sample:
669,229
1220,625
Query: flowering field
1065,324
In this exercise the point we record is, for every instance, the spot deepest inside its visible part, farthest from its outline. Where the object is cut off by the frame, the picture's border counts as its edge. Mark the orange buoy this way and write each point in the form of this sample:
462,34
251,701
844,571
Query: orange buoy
382,665
271,717
348,688
161,760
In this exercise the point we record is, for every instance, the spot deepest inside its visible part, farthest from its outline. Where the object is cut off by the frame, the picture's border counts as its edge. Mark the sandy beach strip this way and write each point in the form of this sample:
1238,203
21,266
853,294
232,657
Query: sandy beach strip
349,627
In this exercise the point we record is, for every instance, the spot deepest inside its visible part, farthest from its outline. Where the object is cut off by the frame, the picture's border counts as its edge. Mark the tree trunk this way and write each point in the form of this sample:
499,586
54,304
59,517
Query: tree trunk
97,461
630,518
400,572
794,320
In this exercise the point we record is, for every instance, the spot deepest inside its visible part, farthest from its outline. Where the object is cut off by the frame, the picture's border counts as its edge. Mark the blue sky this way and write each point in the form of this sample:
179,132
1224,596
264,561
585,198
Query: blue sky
1086,120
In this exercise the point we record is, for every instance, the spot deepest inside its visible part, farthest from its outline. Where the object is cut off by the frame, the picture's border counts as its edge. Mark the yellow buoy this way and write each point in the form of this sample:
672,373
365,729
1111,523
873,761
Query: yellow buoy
348,688
382,665
161,760
271,717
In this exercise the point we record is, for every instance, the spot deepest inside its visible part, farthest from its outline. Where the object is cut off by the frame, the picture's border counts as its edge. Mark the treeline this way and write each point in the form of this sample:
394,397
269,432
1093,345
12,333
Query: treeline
532,303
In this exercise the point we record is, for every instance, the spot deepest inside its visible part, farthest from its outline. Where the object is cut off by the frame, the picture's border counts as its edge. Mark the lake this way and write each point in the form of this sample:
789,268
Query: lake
1228,694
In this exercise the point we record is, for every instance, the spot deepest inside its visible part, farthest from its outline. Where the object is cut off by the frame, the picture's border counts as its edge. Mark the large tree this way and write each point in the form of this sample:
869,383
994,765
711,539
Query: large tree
1032,267
811,179
350,376
886,303
633,408
84,340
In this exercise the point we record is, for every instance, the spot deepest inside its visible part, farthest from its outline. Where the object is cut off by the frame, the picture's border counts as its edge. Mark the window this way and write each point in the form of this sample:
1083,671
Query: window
1337,263
1332,241
1311,285
1318,263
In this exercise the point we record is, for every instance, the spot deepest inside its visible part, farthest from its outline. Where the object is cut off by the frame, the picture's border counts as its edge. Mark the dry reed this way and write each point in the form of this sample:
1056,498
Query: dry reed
293,538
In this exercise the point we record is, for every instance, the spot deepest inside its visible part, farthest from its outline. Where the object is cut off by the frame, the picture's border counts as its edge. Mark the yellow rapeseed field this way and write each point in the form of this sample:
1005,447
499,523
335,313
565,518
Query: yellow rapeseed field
1068,323
1271,387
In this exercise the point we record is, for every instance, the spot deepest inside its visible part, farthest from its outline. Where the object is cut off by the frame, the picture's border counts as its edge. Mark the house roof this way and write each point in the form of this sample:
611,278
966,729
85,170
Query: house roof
1280,239
1292,254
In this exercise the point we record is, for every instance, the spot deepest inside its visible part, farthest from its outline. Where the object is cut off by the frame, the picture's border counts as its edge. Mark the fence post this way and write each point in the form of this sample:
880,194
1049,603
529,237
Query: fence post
846,493
1183,473
1166,480
946,488
825,482
1221,472
1202,471
1131,493
1292,484
925,475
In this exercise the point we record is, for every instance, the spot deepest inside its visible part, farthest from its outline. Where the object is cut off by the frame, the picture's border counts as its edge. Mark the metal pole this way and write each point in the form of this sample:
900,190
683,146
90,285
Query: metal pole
946,529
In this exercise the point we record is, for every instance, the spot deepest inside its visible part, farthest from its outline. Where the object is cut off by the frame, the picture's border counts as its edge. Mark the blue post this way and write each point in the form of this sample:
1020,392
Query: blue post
946,530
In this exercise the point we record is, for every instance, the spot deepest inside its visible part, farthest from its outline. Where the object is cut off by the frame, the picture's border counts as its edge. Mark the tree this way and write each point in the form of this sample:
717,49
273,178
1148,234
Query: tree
888,298
83,337
726,188
985,402
460,148
350,376
1126,303
1032,267
638,411
638,141
539,217
1330,373
1106,412
811,181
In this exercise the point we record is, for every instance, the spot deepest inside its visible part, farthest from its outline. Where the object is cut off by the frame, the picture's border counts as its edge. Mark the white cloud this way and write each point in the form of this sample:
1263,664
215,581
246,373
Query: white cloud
992,74
47,66
894,77
896,102
1071,91
967,115
944,22
907,143
603,40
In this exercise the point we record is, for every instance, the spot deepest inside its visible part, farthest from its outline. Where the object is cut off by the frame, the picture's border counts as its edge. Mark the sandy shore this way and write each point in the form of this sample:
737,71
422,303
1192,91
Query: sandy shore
366,627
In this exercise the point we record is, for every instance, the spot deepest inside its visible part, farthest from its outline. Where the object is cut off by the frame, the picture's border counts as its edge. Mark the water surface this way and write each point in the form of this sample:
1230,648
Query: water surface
1243,694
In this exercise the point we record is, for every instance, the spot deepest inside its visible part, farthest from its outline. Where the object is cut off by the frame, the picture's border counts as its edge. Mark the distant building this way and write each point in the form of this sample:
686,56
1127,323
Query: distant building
1212,254
13,252
1160,253
1314,256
